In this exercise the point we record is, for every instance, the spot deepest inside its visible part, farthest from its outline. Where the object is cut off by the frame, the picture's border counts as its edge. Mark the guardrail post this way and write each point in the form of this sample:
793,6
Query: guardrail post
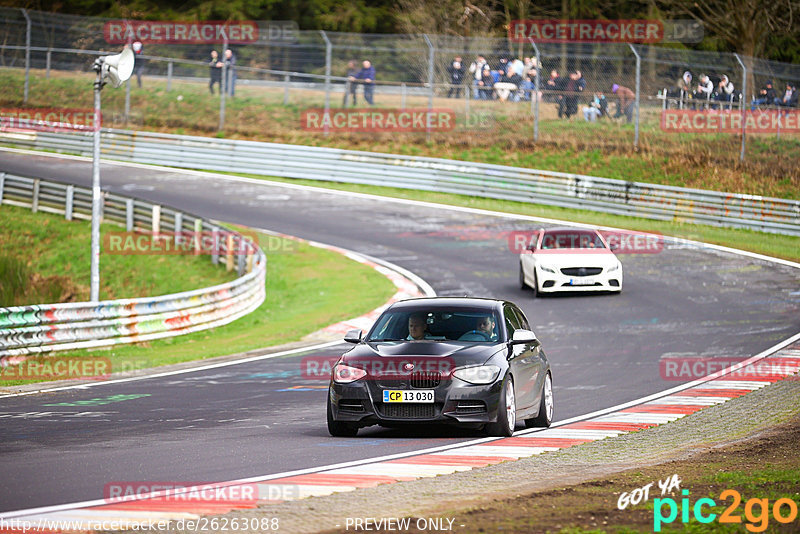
198,230
327,77
129,215
241,258
169,75
156,221
69,202
228,252
744,116
2,185
286,90
638,92
215,245
47,63
35,200
27,52
178,227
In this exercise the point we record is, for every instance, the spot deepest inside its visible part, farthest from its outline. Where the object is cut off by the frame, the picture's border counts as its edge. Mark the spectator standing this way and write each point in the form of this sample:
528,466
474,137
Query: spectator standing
230,67
766,96
625,102
367,77
215,72
486,84
568,103
139,61
351,86
555,84
456,71
476,70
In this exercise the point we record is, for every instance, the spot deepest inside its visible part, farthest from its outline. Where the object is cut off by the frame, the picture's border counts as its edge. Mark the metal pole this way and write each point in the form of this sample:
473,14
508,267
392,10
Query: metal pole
536,91
96,199
403,95
327,77
27,52
638,91
430,83
223,84
169,75
744,113
127,99
49,55
285,89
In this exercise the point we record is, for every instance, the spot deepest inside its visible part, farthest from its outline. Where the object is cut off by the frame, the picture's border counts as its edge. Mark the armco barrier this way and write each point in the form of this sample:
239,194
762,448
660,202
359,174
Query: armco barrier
432,174
26,330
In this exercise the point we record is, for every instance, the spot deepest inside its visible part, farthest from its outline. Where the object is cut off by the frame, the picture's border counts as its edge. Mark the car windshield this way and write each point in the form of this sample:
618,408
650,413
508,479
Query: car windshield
571,239
472,325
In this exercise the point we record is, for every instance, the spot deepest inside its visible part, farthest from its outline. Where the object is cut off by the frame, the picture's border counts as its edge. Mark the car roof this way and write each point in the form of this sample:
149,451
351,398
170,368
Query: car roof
447,302
569,229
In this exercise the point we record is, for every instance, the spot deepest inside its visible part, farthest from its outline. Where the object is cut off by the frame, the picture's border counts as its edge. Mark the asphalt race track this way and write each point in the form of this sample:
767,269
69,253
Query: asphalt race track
262,417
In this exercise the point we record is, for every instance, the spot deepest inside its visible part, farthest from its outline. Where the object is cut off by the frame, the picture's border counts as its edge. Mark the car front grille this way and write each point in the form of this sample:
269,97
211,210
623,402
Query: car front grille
424,380
402,410
581,271
470,407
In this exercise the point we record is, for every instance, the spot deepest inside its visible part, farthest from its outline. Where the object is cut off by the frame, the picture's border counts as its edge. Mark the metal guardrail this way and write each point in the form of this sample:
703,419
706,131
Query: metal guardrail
37,329
432,174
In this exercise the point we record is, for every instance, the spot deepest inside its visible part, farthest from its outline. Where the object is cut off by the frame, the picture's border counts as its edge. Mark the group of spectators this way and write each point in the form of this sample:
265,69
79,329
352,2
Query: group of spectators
723,92
215,66
508,79
767,96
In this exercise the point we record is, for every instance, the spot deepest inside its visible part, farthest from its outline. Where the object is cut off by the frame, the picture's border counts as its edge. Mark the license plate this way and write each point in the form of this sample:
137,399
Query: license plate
581,282
402,395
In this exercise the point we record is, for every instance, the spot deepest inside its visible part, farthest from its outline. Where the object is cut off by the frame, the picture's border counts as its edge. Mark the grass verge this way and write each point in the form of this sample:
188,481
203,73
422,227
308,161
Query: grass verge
308,288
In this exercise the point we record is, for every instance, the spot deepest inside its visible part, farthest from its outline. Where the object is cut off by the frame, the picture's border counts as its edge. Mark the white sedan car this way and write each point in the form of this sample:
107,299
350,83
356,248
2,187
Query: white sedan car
569,259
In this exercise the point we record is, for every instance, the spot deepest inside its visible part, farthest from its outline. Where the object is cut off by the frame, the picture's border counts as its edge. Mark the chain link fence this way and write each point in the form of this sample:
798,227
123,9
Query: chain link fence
586,96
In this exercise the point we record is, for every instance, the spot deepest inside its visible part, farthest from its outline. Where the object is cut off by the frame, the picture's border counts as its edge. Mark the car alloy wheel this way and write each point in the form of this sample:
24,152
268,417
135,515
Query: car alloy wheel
546,406
506,412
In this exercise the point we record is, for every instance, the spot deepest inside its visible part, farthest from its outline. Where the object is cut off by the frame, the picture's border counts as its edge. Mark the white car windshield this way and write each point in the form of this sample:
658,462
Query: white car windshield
571,240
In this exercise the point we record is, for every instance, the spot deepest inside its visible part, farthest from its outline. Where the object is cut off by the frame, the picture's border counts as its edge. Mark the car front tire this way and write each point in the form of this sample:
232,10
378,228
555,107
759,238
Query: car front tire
337,428
546,406
506,412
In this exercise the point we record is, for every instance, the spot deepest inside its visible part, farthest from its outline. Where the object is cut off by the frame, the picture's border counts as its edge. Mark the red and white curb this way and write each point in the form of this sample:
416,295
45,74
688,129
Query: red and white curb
781,362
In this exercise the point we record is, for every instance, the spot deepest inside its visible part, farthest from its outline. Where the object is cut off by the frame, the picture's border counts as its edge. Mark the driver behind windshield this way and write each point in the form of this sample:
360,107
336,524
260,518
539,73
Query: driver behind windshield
417,326
485,324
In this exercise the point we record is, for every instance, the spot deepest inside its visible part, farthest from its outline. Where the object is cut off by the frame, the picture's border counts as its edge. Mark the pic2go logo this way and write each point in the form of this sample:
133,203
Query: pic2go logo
758,521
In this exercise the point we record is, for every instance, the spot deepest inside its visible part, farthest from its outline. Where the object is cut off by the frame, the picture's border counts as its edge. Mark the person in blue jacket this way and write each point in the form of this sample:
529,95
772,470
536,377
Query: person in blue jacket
367,77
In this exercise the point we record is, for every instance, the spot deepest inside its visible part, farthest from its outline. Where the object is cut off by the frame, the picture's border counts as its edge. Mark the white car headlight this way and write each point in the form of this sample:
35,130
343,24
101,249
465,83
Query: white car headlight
547,269
483,374
615,267
344,374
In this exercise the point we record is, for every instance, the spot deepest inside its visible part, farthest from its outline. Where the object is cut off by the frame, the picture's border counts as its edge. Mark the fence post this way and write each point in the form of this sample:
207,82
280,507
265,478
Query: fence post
327,77
129,215
638,91
35,200
215,245
178,227
286,90
223,83
198,230
536,92
2,185
430,83
169,75
403,95
68,202
47,63
127,99
156,224
744,97
27,53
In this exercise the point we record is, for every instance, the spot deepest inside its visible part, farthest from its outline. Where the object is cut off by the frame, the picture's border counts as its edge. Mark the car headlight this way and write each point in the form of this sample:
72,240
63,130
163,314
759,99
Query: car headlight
484,374
547,269
344,374
615,267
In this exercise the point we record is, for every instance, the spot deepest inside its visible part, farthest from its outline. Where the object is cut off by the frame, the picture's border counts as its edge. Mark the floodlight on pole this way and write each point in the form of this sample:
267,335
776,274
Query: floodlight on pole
113,70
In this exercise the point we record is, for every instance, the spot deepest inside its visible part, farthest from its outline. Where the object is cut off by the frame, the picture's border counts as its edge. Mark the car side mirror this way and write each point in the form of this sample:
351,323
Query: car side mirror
522,337
613,246
353,336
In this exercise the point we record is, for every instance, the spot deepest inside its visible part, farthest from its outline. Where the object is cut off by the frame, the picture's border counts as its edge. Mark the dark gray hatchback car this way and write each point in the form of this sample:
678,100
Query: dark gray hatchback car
464,361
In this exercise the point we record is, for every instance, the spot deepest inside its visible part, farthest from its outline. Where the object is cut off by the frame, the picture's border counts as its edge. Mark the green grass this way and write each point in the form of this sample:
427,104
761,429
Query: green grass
52,254
308,288
780,246
706,161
